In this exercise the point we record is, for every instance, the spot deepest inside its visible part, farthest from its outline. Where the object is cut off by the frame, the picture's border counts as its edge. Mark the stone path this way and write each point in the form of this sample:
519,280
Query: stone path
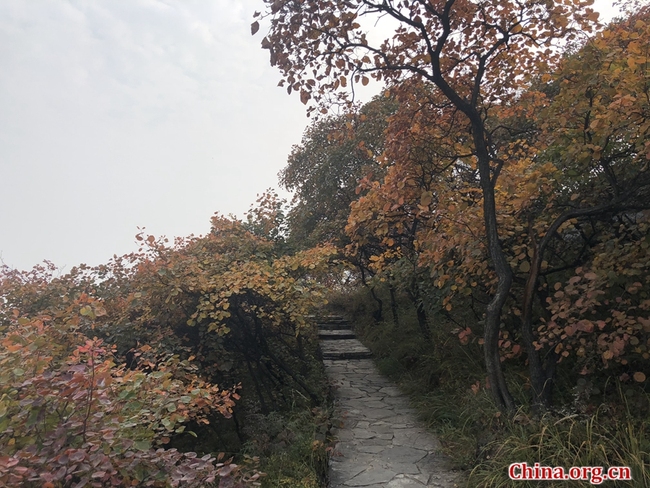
380,443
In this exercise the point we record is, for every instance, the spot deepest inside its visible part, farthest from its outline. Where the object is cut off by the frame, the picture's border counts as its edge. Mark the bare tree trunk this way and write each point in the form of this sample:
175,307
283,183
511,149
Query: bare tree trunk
498,385
423,320
393,304
415,294
379,313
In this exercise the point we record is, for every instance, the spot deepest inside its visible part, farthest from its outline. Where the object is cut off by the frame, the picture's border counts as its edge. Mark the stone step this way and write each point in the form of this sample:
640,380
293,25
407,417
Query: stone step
334,326
345,349
343,355
335,334
331,318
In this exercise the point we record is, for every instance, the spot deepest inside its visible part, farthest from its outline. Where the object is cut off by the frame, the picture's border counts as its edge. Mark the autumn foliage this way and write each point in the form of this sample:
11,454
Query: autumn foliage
499,186
514,180
103,369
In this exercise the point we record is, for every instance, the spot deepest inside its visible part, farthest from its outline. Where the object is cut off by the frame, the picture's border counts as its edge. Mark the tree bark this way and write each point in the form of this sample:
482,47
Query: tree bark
423,320
415,294
393,304
379,313
498,385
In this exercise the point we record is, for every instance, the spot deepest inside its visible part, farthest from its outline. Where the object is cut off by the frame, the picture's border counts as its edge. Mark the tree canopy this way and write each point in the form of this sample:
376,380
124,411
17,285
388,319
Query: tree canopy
517,142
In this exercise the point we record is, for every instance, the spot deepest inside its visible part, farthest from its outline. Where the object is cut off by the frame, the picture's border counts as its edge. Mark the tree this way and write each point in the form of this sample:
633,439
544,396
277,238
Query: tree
478,55
574,163
595,132
268,219
325,169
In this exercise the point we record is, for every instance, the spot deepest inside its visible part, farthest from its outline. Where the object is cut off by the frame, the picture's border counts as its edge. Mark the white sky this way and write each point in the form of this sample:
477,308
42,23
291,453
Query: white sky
119,114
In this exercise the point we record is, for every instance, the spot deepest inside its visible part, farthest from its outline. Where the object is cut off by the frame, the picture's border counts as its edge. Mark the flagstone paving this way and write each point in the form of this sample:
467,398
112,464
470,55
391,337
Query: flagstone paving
380,444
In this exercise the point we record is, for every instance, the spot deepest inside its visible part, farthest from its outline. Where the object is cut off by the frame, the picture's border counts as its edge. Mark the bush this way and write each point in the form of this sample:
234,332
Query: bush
71,416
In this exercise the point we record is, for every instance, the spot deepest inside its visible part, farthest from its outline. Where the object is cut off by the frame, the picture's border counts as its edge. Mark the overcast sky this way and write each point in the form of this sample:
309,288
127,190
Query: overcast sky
119,114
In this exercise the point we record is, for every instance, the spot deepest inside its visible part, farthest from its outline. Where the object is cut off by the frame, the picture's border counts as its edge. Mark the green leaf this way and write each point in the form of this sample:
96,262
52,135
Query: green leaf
86,311
142,445
125,394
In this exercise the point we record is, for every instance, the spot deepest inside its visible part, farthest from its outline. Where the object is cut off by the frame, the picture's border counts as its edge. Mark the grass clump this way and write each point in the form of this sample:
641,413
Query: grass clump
567,441
292,448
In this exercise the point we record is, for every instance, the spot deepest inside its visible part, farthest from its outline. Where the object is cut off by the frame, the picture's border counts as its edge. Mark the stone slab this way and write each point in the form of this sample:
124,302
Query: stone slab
381,443
344,349
335,334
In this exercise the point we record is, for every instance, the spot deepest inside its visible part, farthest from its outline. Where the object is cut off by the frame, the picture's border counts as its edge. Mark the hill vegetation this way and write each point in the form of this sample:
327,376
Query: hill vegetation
505,216
134,372
485,222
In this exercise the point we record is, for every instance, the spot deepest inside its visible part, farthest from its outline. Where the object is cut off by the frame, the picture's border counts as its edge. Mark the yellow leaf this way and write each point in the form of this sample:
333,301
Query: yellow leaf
593,15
